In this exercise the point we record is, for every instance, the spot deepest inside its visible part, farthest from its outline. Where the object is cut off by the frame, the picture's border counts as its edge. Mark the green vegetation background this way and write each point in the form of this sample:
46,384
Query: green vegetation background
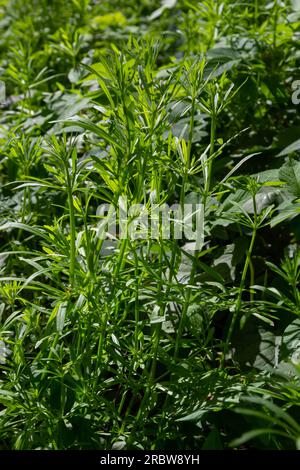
147,343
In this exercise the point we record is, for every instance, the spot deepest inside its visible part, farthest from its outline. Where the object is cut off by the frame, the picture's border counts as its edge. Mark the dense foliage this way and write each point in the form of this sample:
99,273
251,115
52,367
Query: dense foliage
149,343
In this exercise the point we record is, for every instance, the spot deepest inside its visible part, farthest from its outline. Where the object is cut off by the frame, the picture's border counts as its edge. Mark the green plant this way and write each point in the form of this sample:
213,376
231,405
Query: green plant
112,336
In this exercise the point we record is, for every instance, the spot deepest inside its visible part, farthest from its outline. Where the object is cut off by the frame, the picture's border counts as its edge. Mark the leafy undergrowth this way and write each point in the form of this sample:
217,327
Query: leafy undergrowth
149,342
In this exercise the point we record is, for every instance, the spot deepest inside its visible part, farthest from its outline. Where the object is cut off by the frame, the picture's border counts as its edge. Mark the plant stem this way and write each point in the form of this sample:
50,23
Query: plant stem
213,126
256,14
182,198
238,303
72,229
275,24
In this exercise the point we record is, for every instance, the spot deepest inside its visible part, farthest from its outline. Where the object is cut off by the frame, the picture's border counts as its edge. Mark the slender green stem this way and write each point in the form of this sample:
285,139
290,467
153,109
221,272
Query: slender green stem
189,151
193,269
207,187
155,340
275,24
157,330
184,312
256,14
182,198
252,278
72,229
25,205
213,126
238,303
296,293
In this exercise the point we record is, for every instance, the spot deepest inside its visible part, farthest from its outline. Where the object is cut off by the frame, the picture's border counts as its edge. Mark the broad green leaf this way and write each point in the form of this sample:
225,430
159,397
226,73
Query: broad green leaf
290,349
290,174
213,441
255,346
287,210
